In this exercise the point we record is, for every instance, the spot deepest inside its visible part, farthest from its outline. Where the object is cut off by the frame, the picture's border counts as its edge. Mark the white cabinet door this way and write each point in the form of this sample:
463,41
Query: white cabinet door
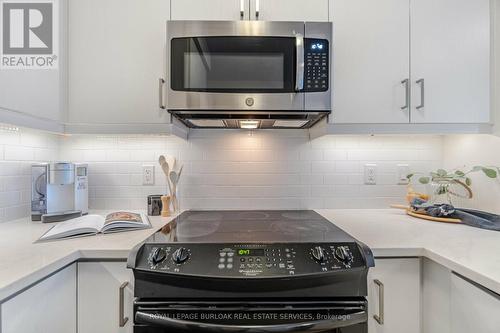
204,10
99,297
289,10
450,43
400,280
436,282
473,309
370,59
47,307
117,55
38,92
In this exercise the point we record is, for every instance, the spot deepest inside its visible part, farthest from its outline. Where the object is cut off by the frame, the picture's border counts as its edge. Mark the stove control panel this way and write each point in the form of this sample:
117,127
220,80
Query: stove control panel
250,260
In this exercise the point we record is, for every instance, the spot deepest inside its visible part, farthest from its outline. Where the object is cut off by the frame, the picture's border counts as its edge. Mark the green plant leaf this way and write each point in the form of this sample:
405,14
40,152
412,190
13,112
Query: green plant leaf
490,172
442,172
424,180
409,176
468,181
459,173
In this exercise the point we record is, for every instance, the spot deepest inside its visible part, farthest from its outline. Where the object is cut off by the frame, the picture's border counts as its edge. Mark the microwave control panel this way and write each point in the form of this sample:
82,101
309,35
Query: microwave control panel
316,65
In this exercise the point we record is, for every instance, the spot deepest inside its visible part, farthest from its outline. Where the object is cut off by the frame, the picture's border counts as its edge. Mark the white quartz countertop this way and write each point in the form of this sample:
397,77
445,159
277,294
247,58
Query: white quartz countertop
471,252
24,262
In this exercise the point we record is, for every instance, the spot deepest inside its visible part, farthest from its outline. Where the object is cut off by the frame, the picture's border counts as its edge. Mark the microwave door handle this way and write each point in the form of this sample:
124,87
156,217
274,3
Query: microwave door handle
299,74
157,320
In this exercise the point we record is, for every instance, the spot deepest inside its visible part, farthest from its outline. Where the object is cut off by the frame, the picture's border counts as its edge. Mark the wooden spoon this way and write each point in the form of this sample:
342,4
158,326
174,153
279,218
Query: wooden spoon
166,170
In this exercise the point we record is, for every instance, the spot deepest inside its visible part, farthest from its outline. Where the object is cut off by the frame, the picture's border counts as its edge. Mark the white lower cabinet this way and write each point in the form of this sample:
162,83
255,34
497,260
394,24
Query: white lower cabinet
394,296
473,309
101,285
47,307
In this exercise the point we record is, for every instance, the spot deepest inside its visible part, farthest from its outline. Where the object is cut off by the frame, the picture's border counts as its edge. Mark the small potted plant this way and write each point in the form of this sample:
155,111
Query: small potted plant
445,186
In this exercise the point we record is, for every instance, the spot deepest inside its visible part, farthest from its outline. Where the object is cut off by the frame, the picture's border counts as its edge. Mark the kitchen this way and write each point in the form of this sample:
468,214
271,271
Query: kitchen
412,88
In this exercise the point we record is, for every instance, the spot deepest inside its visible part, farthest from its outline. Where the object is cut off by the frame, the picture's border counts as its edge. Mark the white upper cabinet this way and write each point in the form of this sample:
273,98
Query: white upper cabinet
212,10
265,10
450,52
38,92
370,59
289,10
449,70
117,55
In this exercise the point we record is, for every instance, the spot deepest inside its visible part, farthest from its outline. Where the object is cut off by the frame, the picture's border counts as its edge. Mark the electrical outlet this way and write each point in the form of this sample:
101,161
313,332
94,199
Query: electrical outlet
148,175
403,172
370,174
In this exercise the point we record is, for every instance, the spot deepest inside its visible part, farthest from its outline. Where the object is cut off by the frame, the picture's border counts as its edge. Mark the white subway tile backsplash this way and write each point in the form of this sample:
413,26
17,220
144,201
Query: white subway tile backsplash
335,155
118,155
335,179
19,153
18,150
311,179
346,166
222,169
323,167
9,138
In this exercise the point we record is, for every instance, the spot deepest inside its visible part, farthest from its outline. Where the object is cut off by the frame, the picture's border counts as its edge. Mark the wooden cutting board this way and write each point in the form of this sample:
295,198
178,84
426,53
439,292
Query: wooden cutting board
427,217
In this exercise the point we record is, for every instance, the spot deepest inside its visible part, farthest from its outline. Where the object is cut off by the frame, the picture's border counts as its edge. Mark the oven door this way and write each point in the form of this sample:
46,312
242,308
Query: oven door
224,65
346,316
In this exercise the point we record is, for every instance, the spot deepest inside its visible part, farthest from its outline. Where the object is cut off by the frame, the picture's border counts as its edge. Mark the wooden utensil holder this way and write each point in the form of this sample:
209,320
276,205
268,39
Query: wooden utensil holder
165,205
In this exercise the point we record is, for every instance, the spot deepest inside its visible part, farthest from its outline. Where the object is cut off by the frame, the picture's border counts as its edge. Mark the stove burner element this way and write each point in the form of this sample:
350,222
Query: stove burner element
193,229
205,217
253,215
299,226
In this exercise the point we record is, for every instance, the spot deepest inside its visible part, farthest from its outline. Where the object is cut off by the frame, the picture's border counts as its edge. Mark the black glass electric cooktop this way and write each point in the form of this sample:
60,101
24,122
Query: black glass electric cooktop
259,226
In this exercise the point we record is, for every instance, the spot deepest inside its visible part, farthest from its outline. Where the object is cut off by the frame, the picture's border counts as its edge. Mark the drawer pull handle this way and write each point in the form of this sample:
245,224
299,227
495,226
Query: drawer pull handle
161,82
406,83
242,9
380,317
421,82
122,320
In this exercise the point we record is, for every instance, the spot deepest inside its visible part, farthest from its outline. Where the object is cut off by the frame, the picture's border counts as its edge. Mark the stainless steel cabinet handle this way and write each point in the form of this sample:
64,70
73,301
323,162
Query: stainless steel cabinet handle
242,9
160,93
299,74
380,317
122,320
406,83
421,82
257,9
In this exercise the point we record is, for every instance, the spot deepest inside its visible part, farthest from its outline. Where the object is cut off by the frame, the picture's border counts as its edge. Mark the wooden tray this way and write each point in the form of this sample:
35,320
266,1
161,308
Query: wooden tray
411,212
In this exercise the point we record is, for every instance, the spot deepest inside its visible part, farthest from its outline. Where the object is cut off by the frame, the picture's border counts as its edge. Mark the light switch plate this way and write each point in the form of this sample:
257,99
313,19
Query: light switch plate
370,174
148,175
403,172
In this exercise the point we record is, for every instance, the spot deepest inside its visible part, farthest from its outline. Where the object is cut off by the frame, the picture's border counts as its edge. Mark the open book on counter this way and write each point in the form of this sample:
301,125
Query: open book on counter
93,224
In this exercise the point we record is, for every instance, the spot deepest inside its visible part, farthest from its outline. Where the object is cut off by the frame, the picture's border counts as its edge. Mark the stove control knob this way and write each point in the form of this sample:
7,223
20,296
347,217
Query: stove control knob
180,255
344,255
159,255
318,254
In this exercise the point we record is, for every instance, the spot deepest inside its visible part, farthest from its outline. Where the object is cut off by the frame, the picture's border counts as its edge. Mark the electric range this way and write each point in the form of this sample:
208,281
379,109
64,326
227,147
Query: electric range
252,271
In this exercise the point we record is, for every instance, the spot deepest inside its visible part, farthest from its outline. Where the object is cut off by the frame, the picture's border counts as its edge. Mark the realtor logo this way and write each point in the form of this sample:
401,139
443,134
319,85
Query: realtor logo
29,34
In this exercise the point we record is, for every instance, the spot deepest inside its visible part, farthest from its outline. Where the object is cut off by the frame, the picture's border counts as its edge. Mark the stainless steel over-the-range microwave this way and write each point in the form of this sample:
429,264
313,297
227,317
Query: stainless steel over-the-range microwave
248,74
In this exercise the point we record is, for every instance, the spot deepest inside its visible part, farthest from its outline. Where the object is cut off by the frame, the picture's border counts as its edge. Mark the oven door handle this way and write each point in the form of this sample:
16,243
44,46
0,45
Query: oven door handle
157,320
299,65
